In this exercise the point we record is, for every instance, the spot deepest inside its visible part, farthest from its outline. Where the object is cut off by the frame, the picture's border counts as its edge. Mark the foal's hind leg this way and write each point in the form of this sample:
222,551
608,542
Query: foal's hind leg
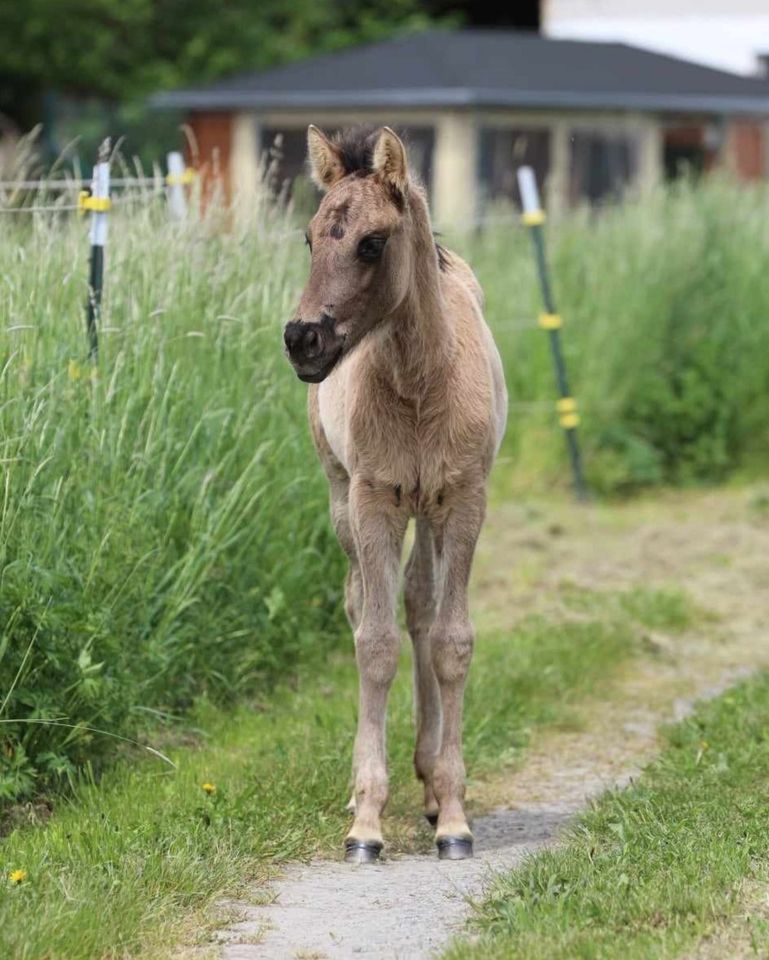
419,591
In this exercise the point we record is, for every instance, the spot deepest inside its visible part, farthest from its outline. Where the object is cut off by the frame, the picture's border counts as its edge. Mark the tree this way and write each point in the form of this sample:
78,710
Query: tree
122,50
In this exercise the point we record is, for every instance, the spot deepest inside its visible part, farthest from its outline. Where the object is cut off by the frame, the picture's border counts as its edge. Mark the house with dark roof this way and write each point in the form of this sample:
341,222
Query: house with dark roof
595,120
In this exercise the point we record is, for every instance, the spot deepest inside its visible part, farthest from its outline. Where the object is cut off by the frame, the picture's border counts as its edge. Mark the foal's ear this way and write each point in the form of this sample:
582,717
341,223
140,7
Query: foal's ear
325,160
389,162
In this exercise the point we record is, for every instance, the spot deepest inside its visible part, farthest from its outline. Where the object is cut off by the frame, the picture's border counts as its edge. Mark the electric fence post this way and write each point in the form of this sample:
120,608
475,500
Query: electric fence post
550,320
97,202
178,177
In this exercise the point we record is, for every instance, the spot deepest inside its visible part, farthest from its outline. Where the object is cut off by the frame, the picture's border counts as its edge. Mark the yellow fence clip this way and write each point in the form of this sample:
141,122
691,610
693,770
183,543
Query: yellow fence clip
550,321
567,408
85,203
181,179
533,218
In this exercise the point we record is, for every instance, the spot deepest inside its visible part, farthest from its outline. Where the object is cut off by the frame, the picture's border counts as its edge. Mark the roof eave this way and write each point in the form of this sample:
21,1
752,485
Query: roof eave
431,98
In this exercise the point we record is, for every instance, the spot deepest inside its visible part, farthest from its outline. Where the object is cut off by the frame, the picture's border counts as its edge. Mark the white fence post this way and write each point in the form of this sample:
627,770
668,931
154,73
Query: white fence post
177,202
99,204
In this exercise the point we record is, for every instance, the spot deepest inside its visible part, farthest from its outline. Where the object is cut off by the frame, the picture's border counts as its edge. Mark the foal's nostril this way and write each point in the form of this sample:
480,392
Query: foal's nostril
312,343
304,341
292,336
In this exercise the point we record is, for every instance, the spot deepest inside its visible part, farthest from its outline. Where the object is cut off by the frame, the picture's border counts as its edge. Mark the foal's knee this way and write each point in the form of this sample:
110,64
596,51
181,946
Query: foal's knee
452,649
376,652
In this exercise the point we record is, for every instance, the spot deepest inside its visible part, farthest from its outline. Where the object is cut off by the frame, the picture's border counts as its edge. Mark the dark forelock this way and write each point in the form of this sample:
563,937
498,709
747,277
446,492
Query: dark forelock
356,149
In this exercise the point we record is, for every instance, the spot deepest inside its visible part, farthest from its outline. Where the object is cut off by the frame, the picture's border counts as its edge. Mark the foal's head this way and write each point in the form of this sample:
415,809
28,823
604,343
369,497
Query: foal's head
361,258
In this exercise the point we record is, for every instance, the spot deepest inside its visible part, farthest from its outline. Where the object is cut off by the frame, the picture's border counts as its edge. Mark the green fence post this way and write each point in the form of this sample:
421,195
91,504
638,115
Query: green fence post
533,217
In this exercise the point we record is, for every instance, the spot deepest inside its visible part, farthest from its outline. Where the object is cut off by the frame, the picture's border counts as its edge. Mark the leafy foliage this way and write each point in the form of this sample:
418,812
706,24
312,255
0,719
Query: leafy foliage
124,49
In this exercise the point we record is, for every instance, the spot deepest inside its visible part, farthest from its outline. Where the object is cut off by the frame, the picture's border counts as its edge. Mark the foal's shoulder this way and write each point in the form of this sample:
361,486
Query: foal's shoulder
457,272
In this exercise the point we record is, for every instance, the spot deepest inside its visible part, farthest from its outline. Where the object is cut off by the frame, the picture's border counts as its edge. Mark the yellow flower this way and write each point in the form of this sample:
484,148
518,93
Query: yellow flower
704,745
209,788
17,876
73,370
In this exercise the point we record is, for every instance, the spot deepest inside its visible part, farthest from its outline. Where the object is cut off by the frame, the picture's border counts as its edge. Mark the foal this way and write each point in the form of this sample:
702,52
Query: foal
407,417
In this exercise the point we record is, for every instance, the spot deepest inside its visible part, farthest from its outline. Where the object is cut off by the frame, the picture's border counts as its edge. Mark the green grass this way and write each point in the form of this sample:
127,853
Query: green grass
664,306
147,850
164,530
651,869
162,527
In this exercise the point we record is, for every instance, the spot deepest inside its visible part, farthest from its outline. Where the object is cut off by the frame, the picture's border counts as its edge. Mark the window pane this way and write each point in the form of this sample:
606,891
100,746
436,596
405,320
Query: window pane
502,151
602,165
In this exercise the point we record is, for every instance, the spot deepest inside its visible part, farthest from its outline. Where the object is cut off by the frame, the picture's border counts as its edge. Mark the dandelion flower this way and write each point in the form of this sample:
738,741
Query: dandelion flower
209,788
17,876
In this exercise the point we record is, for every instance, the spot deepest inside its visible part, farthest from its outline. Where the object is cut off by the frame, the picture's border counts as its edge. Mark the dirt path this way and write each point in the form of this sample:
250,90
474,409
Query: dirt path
716,546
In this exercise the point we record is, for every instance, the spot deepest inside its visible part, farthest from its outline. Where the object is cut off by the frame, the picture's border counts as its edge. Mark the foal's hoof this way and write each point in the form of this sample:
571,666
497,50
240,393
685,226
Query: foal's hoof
454,848
432,819
361,851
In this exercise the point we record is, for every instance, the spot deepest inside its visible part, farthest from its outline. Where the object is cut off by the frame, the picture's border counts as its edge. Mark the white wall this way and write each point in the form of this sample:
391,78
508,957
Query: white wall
726,34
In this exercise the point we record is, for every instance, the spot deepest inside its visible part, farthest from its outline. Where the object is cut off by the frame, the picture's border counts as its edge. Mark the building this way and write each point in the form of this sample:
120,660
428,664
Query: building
726,34
594,119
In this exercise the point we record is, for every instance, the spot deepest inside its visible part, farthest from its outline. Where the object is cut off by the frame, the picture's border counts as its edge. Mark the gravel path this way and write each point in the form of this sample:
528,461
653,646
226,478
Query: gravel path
411,906
397,910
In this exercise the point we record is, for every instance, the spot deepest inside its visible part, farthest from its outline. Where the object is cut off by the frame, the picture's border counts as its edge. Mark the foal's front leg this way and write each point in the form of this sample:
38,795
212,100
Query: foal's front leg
378,523
451,641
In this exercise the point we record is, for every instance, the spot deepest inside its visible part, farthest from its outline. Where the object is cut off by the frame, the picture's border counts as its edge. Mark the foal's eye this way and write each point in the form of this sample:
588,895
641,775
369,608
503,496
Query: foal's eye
370,248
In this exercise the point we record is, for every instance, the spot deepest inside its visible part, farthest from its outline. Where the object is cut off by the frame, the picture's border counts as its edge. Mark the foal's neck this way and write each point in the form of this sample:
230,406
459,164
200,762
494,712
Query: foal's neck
420,339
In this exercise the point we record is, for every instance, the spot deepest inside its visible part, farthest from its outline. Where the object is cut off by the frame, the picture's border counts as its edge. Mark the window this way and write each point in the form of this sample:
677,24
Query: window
602,165
502,151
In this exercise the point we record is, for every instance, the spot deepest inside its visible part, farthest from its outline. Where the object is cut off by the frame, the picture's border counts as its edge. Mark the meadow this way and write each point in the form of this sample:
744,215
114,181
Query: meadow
164,528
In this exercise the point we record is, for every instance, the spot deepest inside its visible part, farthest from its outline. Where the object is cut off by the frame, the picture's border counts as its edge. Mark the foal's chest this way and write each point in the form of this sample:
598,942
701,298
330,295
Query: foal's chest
388,439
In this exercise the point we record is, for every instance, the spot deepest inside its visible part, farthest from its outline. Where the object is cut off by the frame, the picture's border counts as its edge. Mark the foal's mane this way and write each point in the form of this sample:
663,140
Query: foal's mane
356,153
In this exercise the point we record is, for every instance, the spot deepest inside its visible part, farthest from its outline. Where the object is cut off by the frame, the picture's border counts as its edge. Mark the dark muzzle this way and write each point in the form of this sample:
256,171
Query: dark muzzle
312,347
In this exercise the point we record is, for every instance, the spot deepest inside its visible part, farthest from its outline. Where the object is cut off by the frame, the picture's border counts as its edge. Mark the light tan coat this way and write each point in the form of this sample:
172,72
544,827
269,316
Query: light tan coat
407,410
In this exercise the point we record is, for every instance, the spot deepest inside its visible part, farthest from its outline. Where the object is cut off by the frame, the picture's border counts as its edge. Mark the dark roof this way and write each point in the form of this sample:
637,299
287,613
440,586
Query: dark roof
483,68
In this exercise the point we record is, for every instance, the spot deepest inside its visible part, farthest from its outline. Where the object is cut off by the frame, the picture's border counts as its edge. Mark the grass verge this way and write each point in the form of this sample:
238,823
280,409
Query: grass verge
146,851
649,870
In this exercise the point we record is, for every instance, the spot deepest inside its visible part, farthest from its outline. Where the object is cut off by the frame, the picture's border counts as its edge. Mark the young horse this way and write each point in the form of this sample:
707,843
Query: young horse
407,418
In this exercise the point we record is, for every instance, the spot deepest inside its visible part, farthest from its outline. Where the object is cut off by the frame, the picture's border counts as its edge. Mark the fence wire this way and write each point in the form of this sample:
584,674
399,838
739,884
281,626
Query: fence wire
125,200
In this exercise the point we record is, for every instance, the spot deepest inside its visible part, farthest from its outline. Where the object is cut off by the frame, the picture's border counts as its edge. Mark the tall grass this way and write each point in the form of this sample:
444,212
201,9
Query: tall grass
666,311
163,523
